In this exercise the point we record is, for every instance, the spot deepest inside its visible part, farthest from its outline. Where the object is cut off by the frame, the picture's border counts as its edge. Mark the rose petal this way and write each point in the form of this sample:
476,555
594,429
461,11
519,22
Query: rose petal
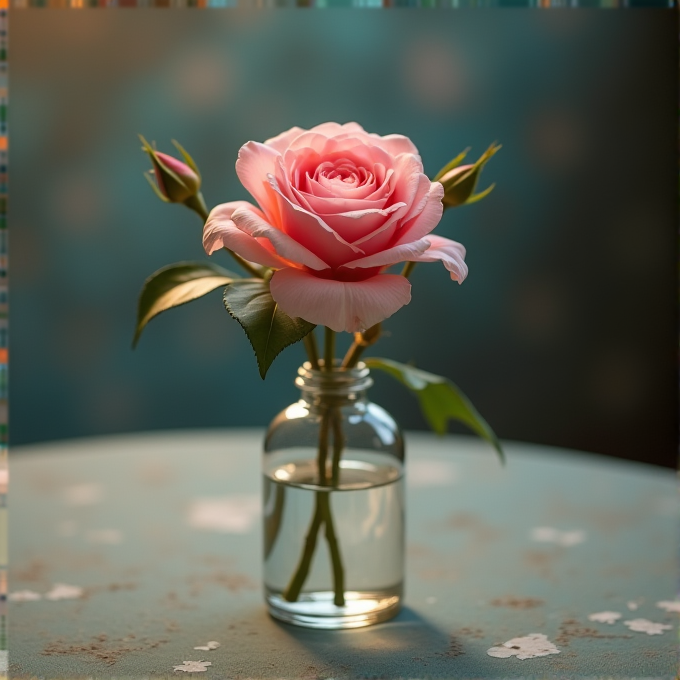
390,256
342,306
253,225
334,205
451,254
395,144
356,225
427,218
311,231
221,232
429,249
281,142
255,161
337,128
412,193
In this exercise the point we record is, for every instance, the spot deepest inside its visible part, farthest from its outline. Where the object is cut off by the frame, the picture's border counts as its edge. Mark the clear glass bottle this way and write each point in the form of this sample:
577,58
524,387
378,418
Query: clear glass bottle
333,505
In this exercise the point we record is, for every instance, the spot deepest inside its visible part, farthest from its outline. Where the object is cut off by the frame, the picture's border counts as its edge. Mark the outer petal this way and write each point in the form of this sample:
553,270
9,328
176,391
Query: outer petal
451,253
336,128
221,232
342,306
390,256
395,144
427,218
281,142
428,249
252,224
255,162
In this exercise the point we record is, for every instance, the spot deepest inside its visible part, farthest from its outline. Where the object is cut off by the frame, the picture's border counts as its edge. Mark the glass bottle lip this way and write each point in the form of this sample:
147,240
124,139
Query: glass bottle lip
337,382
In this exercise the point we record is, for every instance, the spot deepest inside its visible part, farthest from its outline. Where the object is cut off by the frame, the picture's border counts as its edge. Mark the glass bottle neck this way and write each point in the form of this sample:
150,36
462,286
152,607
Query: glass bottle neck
339,385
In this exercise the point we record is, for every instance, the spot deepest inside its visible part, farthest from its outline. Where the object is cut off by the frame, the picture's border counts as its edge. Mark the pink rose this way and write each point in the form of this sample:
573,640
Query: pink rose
337,207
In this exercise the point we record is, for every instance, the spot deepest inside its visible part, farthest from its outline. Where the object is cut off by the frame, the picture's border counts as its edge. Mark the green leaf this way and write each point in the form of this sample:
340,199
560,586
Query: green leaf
175,285
268,328
440,400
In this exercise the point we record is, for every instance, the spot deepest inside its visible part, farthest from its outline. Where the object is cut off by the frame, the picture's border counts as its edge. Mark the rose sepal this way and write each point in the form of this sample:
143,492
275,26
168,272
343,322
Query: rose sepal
460,181
440,400
268,329
187,158
175,285
178,184
453,163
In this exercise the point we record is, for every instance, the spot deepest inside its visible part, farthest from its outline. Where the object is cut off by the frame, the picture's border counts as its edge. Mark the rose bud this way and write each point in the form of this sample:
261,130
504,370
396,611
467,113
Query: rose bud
460,181
176,181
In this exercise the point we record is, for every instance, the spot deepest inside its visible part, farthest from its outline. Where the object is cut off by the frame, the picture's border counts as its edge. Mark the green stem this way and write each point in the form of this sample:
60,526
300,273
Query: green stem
336,560
197,204
330,417
323,446
257,273
324,499
312,350
408,268
338,445
329,350
292,592
353,355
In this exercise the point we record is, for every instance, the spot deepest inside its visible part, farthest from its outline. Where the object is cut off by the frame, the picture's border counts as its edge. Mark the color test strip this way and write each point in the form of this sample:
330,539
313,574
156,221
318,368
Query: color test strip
367,4
4,351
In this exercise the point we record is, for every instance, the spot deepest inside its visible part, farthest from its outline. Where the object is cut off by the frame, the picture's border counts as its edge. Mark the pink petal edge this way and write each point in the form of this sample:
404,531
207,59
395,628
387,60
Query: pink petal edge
253,225
221,232
342,306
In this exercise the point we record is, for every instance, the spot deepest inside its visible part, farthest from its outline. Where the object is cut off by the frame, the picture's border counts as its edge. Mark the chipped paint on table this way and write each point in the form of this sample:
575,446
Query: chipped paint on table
156,541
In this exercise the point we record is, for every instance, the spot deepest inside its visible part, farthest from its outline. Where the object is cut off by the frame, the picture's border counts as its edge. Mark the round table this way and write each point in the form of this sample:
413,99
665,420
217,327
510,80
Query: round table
161,533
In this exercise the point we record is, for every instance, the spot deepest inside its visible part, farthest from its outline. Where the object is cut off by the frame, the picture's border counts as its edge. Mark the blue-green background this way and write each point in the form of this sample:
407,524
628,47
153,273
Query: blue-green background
565,331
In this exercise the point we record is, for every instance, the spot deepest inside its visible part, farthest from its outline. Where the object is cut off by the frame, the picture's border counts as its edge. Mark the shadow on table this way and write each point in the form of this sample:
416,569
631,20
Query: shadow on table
408,641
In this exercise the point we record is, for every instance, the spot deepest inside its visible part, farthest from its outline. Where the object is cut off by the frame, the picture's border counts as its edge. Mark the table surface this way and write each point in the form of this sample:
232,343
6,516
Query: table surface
162,531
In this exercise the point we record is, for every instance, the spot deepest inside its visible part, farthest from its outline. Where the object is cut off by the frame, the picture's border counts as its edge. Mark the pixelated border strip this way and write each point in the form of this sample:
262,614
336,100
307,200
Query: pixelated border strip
367,4
178,4
4,349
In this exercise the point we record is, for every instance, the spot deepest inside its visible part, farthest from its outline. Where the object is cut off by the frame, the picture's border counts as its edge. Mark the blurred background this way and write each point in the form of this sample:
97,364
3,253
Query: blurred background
565,332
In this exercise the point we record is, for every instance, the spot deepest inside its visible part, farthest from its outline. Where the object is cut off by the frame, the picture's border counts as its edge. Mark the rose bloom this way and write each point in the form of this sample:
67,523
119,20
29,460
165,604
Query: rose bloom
337,207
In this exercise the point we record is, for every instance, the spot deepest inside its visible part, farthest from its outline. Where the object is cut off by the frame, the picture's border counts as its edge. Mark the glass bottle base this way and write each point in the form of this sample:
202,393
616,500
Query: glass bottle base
317,610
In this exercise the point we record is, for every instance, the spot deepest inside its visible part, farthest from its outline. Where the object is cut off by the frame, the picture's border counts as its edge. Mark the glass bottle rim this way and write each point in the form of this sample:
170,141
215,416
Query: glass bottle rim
337,382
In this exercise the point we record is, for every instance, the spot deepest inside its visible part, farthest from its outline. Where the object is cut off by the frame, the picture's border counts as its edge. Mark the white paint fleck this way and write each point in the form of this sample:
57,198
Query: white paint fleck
632,605
208,646
423,473
24,596
646,626
669,605
552,535
193,666
528,647
605,617
83,494
61,591
104,536
569,538
234,514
